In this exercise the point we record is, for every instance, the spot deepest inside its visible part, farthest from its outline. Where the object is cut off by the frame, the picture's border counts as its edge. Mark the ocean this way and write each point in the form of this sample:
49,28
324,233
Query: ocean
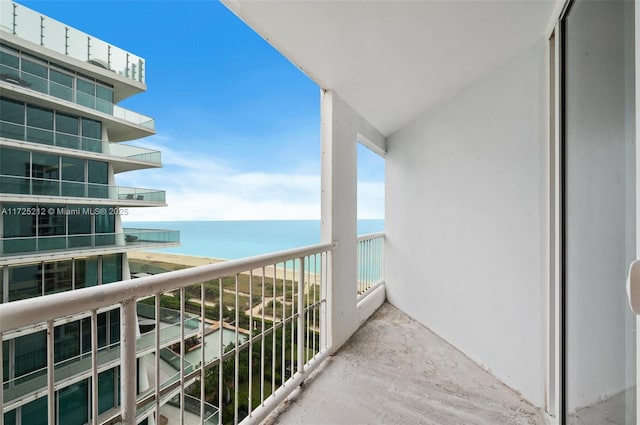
238,239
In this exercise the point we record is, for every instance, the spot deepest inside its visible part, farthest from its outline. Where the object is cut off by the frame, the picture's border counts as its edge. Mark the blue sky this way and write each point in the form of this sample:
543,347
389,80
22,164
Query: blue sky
237,123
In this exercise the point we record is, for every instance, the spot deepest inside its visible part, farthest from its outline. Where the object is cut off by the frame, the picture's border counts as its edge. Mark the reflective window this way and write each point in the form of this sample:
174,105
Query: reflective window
73,402
34,68
98,172
111,268
14,162
39,117
11,111
5,360
9,59
33,413
40,122
91,128
45,166
58,276
67,341
73,169
86,272
15,224
30,354
66,123
25,282
107,387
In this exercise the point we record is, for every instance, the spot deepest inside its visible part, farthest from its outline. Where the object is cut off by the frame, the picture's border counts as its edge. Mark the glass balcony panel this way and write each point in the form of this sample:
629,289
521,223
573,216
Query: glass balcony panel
12,131
75,189
80,241
16,185
92,145
98,191
45,187
60,91
70,141
36,135
50,243
34,82
85,99
129,238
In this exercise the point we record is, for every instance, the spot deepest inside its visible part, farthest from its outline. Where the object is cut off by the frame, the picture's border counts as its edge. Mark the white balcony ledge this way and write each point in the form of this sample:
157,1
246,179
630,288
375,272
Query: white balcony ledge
394,370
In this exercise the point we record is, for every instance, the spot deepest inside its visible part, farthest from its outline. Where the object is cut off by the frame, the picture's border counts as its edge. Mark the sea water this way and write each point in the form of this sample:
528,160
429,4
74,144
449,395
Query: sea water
238,239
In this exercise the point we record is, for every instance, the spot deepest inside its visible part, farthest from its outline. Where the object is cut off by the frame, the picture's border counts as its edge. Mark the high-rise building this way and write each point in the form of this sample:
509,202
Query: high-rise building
60,151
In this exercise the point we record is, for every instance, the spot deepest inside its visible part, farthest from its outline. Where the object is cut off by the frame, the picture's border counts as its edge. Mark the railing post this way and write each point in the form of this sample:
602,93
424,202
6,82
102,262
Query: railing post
94,367
51,405
1,383
301,346
128,361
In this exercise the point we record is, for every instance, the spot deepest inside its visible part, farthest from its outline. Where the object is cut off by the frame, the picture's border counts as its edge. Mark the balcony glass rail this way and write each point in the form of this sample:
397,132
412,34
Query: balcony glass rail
47,187
130,238
73,141
268,312
370,260
45,31
46,86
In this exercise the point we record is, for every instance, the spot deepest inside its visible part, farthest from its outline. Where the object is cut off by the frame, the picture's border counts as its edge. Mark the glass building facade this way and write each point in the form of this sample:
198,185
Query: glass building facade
59,221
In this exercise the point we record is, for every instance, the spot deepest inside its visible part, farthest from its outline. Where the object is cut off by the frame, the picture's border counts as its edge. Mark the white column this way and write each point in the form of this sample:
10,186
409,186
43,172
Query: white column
339,220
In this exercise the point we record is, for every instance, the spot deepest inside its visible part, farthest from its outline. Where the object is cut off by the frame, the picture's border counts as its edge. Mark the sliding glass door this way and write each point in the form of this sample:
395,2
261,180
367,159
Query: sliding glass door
599,216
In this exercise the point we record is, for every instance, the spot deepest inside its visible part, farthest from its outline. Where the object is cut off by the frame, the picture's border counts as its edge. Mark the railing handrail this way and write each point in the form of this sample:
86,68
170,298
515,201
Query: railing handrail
370,236
32,311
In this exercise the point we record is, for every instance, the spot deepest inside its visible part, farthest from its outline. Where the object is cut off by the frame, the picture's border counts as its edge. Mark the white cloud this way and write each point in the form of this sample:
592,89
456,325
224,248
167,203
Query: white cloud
204,187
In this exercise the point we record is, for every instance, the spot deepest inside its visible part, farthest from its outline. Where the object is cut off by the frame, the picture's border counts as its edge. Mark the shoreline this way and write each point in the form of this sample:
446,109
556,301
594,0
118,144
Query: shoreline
177,259
195,261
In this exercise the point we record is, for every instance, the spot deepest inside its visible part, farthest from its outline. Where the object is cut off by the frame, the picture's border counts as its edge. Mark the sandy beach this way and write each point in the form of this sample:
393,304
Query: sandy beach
179,259
194,261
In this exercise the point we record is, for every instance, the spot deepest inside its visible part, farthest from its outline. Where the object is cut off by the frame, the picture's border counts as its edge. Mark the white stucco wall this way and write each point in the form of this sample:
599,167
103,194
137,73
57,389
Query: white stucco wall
466,225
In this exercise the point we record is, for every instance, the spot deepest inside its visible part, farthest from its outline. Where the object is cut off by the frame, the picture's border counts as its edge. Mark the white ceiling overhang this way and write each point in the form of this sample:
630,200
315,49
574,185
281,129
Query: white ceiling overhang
392,60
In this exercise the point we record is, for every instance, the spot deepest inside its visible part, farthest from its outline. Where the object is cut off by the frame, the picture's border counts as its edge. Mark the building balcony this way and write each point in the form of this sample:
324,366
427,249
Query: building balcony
21,79
121,124
19,21
123,157
28,189
274,309
23,388
62,245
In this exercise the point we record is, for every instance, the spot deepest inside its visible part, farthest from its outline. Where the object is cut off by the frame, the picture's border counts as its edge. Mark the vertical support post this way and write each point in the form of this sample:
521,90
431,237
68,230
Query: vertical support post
51,399
301,327
156,368
1,382
128,361
183,350
94,367
338,211
41,30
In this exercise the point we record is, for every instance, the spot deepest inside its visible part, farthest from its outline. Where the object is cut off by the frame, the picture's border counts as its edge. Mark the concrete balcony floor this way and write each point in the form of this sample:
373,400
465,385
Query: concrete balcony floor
395,371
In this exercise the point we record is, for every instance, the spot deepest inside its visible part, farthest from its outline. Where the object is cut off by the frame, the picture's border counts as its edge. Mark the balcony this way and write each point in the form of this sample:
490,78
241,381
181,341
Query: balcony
44,137
272,314
84,192
42,30
129,239
22,79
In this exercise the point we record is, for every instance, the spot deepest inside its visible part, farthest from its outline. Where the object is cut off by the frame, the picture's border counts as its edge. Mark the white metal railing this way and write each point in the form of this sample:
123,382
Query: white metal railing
262,327
370,262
